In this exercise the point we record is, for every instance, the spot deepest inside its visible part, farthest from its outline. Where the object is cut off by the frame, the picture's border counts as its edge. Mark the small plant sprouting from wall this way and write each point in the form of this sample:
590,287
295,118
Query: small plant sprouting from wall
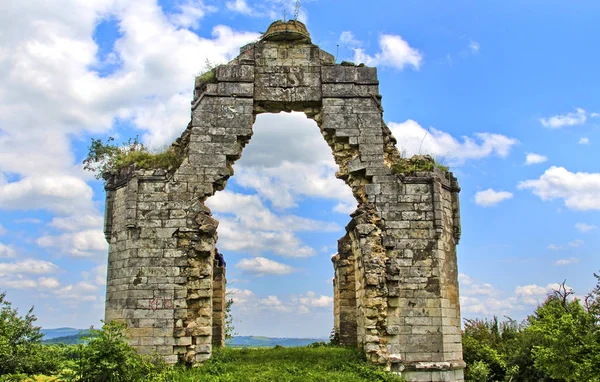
417,163
105,157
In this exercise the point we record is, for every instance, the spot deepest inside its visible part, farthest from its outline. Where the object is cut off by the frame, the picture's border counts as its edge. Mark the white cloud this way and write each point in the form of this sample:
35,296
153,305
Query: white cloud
48,282
582,227
232,237
28,266
345,208
310,299
570,119
472,287
250,213
580,191
58,193
575,243
7,251
191,12
532,158
555,247
584,141
77,222
261,266
533,294
239,6
474,46
395,52
348,38
490,197
156,58
86,243
2,230
414,139
240,296
282,185
482,299
570,260
273,303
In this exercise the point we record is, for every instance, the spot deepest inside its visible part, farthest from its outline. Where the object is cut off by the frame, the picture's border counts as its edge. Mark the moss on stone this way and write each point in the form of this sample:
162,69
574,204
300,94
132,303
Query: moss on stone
417,163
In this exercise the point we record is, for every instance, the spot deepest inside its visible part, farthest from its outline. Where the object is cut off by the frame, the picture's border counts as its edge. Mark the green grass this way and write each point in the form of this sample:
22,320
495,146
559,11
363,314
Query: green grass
300,364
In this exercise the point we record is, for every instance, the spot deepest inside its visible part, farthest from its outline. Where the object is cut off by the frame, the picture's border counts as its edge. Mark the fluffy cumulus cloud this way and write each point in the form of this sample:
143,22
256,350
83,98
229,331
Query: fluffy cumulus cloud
394,52
247,225
311,300
532,158
580,190
578,117
584,141
261,266
157,60
490,197
414,139
26,274
86,243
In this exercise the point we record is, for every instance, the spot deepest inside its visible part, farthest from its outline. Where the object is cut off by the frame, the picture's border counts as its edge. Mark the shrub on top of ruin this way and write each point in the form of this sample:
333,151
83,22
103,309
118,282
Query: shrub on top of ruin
416,163
106,157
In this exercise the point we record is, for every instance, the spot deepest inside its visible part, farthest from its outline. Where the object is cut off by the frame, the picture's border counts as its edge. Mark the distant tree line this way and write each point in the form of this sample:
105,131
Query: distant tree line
560,341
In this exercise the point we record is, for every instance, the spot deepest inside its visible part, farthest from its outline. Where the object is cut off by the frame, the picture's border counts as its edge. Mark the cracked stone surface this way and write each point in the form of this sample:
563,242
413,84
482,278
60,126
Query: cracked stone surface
396,278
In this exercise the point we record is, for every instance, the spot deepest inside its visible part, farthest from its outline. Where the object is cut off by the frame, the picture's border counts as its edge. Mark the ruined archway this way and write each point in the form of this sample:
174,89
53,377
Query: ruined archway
396,288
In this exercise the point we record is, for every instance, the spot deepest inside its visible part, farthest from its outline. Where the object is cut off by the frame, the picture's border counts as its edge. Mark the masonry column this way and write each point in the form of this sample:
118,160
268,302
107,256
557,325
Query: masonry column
219,302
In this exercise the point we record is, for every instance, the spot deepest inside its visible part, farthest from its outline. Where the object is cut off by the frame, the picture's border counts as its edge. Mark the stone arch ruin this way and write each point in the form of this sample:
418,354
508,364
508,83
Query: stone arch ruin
396,279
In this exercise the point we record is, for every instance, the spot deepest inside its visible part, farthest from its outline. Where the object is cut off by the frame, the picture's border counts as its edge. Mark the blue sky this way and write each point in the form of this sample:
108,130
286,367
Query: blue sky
504,92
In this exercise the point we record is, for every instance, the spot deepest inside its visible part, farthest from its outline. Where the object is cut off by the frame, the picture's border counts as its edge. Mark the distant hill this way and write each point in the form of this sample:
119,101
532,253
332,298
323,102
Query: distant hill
59,332
258,341
71,336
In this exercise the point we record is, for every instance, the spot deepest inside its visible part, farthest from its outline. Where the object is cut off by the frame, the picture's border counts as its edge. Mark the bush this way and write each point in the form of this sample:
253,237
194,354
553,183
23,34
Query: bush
106,157
20,339
108,358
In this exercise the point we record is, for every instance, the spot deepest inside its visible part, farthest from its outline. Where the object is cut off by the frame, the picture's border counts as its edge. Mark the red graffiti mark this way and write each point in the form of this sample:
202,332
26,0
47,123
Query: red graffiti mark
160,303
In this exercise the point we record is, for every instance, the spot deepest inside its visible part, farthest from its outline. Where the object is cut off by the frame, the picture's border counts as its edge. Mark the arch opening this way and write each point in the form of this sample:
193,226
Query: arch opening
280,217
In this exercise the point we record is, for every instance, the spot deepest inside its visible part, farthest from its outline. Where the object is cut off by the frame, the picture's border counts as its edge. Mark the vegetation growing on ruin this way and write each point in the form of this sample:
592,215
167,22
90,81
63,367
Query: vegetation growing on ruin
105,157
417,163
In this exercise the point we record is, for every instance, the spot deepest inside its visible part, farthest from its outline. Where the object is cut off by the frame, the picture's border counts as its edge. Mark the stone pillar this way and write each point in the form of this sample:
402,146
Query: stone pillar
423,315
345,323
219,301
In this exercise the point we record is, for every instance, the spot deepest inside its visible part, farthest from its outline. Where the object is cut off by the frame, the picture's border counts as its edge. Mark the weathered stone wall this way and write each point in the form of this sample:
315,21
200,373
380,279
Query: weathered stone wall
396,291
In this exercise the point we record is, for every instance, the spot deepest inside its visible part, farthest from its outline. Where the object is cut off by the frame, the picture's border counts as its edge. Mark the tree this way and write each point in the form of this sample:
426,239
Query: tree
568,336
229,328
19,340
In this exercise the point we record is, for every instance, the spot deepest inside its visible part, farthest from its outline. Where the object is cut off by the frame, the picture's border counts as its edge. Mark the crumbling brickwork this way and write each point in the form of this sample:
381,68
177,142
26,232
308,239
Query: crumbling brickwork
396,280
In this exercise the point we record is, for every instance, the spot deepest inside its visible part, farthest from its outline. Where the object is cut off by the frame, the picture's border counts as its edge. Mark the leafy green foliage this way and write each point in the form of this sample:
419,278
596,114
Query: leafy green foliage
560,341
19,340
105,157
569,338
106,356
